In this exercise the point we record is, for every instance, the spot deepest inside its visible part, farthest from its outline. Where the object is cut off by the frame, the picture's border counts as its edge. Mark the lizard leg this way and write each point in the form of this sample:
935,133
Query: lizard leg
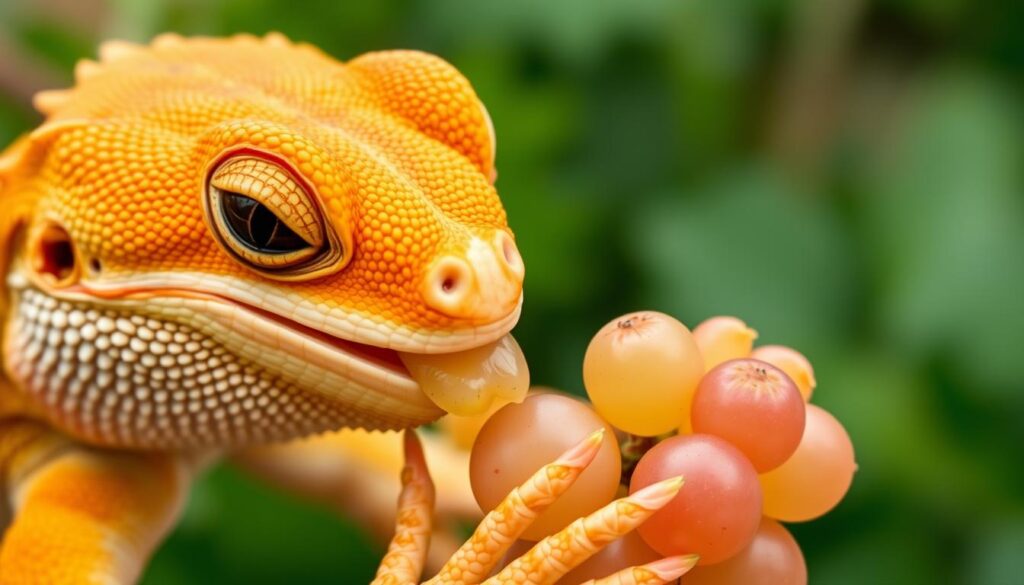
354,472
407,552
85,515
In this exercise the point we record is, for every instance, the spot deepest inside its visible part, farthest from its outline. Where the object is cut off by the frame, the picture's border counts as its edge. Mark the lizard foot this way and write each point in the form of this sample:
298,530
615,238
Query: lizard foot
549,559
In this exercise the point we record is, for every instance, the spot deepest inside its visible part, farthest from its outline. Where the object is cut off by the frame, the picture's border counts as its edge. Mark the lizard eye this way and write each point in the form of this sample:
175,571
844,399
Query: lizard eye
255,226
267,219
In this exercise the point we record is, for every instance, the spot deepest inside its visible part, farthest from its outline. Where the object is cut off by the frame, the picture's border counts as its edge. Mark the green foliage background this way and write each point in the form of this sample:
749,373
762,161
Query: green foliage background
843,174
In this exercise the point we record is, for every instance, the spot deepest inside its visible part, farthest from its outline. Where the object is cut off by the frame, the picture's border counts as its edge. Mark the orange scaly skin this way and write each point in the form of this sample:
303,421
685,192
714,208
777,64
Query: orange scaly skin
214,244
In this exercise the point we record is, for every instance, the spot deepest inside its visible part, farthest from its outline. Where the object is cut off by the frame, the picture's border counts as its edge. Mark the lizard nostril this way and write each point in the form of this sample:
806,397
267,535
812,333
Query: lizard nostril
483,283
448,285
452,274
510,253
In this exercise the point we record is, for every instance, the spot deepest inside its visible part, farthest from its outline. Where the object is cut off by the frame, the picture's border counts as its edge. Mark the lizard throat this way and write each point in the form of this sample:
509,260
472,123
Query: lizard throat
181,372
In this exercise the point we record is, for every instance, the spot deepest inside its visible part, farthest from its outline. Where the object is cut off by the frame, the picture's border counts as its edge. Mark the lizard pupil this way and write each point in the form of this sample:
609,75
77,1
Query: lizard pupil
257,227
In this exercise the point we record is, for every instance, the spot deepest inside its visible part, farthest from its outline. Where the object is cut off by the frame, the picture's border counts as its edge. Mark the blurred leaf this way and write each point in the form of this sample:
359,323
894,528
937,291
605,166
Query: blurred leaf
902,446
747,245
235,530
891,551
947,231
14,120
995,553
575,30
61,46
628,138
938,14
915,481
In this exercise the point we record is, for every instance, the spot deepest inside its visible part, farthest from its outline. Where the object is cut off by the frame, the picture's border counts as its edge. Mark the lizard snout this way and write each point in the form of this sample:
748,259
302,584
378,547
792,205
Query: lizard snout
484,284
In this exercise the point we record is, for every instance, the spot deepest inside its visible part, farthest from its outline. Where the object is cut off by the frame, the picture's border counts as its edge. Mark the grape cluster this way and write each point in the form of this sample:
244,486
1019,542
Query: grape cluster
732,419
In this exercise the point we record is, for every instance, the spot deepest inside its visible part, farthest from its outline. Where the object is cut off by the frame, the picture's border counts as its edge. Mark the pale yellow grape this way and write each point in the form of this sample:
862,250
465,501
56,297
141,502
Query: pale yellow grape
469,382
640,372
723,338
818,474
791,361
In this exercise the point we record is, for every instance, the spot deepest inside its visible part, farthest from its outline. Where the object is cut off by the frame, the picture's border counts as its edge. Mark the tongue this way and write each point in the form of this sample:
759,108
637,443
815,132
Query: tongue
468,382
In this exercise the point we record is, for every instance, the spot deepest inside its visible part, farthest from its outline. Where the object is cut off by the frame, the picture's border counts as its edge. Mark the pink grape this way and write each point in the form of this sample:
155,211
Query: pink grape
718,509
754,406
772,558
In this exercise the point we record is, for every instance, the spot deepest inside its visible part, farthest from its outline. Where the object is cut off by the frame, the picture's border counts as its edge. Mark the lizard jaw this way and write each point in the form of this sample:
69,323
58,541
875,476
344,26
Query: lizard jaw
230,377
463,382
256,331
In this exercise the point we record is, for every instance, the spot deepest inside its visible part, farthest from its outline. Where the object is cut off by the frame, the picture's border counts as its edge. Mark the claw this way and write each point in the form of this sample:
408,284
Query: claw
500,528
662,571
407,552
559,553
550,559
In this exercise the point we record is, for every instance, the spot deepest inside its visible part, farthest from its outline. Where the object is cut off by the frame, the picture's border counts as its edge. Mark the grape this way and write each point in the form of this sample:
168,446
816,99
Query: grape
518,549
754,406
469,382
790,361
718,509
521,438
773,558
818,474
721,339
627,551
640,372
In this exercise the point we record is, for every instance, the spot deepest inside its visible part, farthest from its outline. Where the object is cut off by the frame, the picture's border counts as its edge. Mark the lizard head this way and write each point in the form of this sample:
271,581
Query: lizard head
223,242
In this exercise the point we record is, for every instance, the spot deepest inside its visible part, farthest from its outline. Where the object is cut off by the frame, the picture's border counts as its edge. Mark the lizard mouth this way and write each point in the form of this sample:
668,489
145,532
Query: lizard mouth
381,357
267,322
464,381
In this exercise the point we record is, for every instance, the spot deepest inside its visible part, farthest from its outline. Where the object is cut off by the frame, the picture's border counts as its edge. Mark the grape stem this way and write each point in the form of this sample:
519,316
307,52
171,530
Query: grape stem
633,448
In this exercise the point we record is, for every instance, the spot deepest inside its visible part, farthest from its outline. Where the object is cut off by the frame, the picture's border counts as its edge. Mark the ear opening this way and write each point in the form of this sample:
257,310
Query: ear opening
52,255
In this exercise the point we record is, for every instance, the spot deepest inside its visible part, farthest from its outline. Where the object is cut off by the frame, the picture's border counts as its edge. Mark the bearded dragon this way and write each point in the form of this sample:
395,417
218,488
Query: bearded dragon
214,244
